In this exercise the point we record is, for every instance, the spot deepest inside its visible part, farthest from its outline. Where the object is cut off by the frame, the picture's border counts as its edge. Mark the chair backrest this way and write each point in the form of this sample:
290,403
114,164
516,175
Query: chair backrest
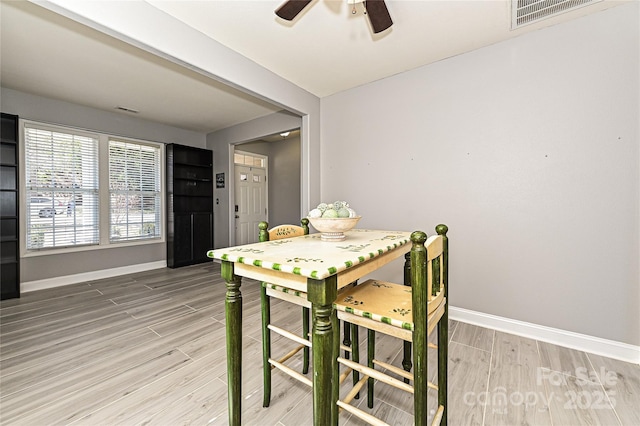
437,252
429,272
282,231
428,269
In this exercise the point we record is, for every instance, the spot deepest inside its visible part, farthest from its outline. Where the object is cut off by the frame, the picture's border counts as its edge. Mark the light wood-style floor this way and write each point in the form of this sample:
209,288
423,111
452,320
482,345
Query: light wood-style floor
149,348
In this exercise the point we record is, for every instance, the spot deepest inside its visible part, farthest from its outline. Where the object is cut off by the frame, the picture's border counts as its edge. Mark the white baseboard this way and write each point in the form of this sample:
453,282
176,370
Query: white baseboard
28,286
568,339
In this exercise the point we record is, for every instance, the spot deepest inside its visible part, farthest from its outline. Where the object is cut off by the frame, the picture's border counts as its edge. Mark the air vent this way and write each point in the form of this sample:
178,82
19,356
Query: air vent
125,109
525,12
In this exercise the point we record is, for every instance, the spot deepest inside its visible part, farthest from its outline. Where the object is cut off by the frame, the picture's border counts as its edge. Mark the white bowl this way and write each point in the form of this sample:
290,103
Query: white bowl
333,229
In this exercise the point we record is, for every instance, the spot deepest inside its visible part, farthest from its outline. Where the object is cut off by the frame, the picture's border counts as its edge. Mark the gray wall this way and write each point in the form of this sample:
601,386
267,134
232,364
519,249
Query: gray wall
284,178
221,142
529,151
256,147
468,138
185,46
51,111
47,110
284,187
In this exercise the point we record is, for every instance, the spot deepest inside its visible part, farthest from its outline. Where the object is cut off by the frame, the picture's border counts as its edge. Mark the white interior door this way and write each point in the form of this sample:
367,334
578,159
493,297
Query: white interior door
251,202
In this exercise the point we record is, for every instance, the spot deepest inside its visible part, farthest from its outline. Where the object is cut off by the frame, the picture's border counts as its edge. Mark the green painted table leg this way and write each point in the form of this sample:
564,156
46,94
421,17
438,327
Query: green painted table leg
266,346
355,348
233,318
443,327
443,359
406,360
335,373
322,294
305,335
420,297
371,354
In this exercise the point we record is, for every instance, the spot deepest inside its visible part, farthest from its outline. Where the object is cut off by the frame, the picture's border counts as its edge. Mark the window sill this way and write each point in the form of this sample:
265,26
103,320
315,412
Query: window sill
67,250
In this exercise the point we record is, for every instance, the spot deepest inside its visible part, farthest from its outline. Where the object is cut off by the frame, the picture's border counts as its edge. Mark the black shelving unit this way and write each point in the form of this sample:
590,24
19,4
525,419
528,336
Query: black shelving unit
189,205
9,209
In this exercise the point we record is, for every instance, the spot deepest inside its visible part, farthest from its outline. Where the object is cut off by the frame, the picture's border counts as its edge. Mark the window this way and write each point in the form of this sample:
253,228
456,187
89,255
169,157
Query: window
134,191
89,189
248,159
61,171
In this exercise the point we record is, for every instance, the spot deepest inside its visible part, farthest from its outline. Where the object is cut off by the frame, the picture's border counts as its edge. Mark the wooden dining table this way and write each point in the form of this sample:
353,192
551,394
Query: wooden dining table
318,268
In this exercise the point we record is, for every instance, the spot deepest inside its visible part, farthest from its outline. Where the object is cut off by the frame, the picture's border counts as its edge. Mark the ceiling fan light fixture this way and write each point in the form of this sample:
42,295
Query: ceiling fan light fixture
376,10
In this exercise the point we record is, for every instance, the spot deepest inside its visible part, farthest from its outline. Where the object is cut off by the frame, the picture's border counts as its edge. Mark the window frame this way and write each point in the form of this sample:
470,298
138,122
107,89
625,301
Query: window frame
161,179
104,241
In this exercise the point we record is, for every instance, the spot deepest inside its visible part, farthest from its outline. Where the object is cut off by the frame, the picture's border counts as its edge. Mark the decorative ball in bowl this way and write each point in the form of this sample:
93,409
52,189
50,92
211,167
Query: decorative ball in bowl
333,229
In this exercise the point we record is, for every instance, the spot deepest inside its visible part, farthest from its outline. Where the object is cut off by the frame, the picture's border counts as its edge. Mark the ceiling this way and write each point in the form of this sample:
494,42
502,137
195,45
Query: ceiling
325,50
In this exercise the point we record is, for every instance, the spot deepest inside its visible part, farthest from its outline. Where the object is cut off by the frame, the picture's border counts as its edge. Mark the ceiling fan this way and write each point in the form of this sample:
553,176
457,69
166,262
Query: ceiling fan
375,9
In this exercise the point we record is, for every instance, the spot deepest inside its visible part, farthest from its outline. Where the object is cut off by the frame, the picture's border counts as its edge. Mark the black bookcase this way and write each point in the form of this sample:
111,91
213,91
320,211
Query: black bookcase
189,205
9,209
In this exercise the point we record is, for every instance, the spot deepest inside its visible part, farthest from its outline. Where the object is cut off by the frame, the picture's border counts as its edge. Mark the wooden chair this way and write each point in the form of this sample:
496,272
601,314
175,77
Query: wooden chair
273,290
410,314
269,290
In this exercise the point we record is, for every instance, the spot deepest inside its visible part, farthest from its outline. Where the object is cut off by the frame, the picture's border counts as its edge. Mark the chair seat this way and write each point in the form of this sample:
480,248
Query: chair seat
410,313
385,302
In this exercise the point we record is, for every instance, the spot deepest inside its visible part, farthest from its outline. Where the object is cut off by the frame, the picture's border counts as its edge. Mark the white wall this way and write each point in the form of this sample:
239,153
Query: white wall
529,151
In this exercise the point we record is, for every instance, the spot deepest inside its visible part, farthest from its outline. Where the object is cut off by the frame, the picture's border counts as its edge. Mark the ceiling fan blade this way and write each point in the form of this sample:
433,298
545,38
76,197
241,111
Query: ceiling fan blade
291,8
378,15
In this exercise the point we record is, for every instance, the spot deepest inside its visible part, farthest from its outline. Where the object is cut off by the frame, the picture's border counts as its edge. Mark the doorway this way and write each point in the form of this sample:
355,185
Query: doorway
251,195
283,179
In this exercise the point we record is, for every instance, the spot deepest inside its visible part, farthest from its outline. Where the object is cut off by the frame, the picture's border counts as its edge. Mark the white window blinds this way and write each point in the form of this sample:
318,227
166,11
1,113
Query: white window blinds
61,175
134,191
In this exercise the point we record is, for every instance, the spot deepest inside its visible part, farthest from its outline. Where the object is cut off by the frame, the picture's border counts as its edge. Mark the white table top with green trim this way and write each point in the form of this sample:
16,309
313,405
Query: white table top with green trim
309,257
301,263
